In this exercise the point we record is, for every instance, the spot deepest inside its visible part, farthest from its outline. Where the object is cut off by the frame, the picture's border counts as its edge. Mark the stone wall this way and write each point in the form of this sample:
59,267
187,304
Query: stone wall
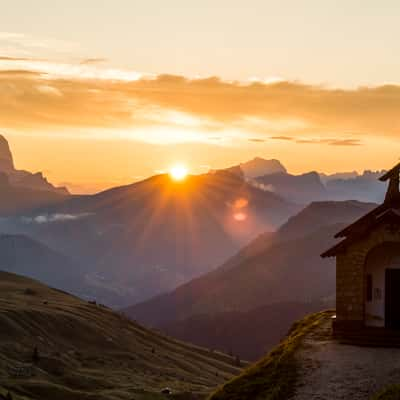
350,276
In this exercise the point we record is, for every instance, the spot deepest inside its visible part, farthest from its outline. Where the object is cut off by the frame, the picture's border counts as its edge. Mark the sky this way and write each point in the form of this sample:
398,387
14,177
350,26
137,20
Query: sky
106,92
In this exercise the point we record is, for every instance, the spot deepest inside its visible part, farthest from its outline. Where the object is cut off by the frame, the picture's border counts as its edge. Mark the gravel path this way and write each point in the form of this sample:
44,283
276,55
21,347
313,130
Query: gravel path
332,371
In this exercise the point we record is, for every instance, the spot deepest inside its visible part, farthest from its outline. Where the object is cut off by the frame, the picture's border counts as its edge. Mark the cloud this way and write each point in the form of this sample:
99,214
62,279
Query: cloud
256,140
43,95
288,138
328,141
331,141
345,142
90,61
6,58
49,218
261,186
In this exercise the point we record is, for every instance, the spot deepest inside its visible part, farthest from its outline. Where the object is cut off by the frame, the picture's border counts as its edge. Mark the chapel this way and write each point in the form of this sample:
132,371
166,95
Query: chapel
368,268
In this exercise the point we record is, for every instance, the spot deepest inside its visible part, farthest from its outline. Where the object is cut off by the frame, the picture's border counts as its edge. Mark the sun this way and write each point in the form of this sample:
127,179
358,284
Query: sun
178,172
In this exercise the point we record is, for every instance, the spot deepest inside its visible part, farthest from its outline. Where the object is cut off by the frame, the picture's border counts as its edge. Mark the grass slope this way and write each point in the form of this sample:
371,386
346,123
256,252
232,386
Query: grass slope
273,377
86,351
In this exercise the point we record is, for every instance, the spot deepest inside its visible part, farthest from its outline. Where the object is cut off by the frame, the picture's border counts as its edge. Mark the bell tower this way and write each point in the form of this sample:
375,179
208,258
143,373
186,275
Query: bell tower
393,176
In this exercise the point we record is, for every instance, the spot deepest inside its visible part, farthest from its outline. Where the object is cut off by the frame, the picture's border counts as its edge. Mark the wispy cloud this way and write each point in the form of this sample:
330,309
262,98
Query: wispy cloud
91,61
42,94
288,138
50,218
256,140
346,142
15,44
327,141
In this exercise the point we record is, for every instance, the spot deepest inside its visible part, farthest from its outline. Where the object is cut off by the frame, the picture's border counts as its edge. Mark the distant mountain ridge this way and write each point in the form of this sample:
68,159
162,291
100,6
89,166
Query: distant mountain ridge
23,255
257,276
338,175
149,237
300,188
15,199
275,269
260,167
21,178
271,175
364,187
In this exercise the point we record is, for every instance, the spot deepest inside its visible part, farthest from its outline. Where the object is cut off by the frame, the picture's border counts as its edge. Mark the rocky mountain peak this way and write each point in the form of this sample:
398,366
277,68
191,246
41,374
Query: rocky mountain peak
260,167
6,158
21,178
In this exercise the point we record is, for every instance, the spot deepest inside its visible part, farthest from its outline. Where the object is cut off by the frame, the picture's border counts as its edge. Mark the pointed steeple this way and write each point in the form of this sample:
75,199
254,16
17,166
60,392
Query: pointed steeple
393,176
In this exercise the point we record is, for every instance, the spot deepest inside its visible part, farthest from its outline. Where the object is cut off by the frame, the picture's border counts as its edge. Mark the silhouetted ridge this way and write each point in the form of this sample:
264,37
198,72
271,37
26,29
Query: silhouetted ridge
24,179
6,158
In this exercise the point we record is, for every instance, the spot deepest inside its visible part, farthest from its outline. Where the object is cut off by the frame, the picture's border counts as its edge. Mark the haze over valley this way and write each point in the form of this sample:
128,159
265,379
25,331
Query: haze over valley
108,239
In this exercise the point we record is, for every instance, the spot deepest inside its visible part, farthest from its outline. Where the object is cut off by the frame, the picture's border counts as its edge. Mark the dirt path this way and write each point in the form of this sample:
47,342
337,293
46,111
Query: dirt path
332,371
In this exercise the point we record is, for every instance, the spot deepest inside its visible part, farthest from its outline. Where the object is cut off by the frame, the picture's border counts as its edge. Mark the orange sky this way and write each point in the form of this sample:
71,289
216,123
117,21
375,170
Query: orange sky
92,108
86,165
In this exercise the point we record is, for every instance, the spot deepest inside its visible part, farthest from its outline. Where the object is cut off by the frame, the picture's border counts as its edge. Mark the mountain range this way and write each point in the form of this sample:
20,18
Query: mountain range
194,225
258,283
132,243
149,237
272,176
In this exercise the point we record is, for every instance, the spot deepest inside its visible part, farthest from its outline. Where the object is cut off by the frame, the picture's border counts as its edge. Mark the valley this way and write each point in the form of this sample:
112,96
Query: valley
264,276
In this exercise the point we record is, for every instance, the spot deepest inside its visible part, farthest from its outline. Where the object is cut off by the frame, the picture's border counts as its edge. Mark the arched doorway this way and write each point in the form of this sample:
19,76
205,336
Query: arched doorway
382,286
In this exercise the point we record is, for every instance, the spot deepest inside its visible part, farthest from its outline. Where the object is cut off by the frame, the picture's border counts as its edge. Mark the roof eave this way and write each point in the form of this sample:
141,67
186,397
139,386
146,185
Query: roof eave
334,251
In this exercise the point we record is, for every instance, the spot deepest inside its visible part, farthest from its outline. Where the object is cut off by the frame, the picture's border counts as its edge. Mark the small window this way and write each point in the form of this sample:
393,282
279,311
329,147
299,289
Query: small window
369,287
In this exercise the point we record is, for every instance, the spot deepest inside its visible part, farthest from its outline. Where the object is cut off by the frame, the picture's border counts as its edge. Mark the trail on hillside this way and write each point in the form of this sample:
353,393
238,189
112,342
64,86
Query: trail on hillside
333,371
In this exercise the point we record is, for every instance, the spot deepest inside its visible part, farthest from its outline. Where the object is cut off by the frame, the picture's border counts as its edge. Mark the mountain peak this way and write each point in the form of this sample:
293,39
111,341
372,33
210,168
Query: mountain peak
21,178
259,167
6,158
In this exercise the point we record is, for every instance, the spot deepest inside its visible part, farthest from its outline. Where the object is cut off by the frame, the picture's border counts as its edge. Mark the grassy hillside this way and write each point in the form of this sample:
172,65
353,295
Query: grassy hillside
273,377
86,351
